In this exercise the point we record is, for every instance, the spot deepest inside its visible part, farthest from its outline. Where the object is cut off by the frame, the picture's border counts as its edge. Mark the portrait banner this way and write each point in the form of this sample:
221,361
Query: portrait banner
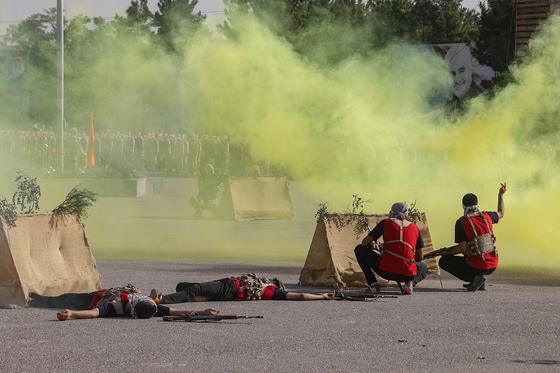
465,73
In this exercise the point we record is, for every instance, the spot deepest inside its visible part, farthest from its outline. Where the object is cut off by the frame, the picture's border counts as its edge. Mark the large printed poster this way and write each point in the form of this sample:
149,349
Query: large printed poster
465,73
14,80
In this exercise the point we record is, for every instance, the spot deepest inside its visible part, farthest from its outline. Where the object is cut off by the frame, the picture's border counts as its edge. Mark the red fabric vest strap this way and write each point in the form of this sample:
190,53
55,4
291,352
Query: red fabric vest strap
476,225
400,223
404,264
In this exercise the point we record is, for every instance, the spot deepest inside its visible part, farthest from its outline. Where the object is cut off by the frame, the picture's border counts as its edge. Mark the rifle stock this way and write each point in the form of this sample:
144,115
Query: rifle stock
359,296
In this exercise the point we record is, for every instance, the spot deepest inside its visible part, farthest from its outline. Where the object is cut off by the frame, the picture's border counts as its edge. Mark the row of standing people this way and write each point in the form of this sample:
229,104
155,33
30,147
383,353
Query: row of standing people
170,153
187,154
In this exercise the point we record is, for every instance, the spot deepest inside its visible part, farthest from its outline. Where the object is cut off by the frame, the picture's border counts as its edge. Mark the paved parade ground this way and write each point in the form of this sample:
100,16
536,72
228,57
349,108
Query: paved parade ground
513,326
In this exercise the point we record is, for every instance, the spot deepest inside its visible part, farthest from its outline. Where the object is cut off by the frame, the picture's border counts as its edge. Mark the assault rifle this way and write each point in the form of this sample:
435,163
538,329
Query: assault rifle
433,254
338,295
191,318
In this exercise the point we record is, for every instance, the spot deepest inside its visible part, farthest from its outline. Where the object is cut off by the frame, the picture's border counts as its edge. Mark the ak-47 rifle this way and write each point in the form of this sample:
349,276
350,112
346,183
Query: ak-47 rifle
435,253
208,317
338,295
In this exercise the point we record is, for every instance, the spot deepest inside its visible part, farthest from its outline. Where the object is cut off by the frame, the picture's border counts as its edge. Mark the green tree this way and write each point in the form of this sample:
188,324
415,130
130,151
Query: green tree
337,30
426,21
425,14
289,17
79,57
300,11
138,18
455,23
122,73
395,14
111,68
138,13
496,44
37,34
177,23
324,31
273,14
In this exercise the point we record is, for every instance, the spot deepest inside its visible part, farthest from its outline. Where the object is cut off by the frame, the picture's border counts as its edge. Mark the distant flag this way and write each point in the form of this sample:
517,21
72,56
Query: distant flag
90,148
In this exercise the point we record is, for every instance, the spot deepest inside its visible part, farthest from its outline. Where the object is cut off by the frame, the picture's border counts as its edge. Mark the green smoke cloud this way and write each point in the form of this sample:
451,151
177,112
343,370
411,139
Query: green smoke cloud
323,123
361,125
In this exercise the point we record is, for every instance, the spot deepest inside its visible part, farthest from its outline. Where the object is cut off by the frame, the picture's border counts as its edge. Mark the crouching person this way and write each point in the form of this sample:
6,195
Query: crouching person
474,235
400,257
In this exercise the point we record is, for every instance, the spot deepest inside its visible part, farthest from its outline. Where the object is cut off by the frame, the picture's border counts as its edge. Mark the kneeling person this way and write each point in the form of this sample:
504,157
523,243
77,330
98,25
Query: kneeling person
474,235
401,260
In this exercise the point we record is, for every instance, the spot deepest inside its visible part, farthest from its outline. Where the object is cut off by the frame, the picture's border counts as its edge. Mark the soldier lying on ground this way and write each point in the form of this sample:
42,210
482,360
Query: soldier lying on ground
125,301
246,287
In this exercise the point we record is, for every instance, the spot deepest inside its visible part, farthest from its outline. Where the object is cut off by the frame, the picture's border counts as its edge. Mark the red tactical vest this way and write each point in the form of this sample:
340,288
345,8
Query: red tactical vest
490,259
242,291
391,263
97,296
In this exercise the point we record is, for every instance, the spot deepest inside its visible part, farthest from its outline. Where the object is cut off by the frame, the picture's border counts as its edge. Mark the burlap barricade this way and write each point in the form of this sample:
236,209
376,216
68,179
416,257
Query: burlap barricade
331,260
254,198
45,254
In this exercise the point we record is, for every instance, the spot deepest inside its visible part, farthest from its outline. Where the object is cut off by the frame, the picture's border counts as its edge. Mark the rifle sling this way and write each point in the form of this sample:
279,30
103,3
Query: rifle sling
397,255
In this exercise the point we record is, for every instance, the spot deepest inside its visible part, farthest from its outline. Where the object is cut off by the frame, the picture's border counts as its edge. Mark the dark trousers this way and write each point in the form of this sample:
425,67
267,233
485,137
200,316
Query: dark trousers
369,263
218,290
458,267
74,301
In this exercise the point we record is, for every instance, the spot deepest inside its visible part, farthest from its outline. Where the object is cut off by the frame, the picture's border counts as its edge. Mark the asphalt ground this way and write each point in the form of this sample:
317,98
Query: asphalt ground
511,327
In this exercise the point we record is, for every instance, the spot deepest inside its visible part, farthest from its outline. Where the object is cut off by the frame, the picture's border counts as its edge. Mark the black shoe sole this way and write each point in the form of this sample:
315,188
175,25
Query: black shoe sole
475,287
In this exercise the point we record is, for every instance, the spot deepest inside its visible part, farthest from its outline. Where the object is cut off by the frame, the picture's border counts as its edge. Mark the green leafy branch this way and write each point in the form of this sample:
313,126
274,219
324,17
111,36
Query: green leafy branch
8,212
322,213
358,215
27,194
78,201
26,197
350,215
413,212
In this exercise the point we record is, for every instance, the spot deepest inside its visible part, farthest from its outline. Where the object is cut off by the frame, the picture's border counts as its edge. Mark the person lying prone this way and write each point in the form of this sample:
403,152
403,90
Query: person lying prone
234,289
